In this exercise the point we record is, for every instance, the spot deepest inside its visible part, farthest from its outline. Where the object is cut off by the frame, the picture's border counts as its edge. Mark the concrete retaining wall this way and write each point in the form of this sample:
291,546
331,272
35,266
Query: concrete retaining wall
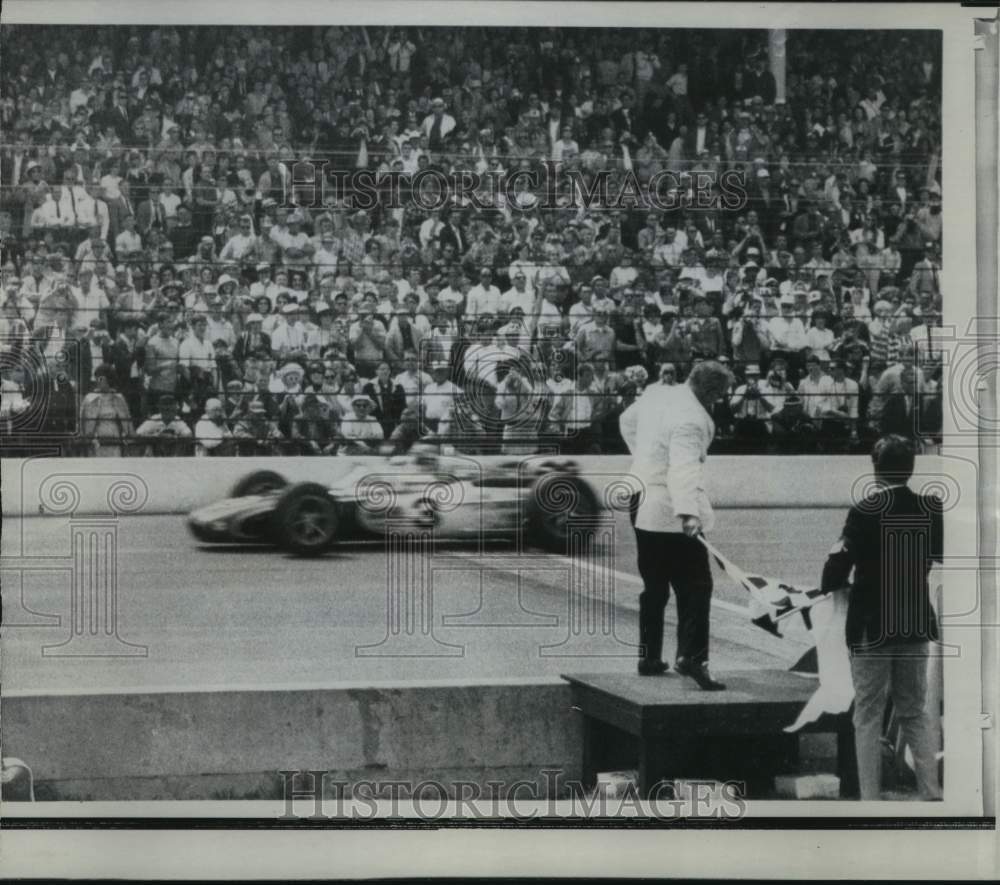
177,485
226,744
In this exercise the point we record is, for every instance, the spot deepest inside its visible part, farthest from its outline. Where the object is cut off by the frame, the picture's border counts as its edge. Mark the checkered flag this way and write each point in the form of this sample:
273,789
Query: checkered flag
773,603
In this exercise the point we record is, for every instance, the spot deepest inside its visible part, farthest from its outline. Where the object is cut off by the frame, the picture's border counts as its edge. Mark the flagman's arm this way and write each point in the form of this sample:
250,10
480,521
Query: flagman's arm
841,558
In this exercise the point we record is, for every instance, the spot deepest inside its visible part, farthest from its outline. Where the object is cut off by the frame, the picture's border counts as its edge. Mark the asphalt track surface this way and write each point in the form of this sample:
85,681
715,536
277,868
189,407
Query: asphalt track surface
240,616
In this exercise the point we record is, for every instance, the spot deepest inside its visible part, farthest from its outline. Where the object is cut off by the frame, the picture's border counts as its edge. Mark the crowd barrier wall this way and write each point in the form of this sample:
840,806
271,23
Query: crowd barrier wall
121,486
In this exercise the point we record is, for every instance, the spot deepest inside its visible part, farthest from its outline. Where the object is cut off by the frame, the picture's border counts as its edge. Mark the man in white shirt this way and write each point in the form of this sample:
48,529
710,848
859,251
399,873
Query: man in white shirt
814,389
517,295
290,336
484,297
240,244
788,335
438,396
296,247
196,356
819,338
582,312
668,431
128,241
411,379
211,433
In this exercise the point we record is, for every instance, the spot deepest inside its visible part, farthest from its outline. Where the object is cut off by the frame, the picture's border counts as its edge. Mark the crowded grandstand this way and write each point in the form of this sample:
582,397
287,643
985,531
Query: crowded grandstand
189,265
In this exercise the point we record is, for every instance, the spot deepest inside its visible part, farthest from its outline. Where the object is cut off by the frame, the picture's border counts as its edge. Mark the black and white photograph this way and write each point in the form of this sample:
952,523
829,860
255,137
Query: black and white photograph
428,418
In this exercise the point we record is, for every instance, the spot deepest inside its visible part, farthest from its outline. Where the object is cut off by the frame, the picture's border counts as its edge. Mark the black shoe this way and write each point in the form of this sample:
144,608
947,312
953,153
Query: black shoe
653,668
699,673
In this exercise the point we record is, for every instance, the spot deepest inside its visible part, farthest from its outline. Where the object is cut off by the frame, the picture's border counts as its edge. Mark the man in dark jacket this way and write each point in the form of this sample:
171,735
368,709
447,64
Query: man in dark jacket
890,540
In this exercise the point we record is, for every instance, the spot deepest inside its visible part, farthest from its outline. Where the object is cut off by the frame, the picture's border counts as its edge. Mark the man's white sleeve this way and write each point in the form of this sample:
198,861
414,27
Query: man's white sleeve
684,478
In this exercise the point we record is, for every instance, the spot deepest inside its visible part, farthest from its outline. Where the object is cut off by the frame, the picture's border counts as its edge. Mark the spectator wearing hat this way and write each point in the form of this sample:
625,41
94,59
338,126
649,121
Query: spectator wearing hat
289,335
196,362
162,362
168,435
219,326
312,432
212,435
105,421
360,430
437,126
256,434
751,409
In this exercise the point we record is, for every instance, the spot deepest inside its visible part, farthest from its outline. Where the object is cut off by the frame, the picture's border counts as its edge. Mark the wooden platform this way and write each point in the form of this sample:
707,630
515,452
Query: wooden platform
671,729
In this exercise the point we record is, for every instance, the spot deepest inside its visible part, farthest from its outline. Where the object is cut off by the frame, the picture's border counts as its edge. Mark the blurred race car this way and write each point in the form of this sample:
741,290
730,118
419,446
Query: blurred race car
454,496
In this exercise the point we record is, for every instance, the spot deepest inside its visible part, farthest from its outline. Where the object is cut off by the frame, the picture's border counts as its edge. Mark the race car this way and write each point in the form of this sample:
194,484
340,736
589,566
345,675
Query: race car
455,497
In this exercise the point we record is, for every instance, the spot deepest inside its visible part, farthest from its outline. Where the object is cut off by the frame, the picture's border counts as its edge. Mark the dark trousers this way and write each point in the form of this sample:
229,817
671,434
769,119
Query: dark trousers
672,559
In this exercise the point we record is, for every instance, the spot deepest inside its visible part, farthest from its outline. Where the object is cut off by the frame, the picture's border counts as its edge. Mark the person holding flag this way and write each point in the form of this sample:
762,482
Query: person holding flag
668,431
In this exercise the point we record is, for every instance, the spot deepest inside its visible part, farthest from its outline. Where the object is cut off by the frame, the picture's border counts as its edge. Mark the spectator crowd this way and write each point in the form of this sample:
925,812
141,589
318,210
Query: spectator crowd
176,280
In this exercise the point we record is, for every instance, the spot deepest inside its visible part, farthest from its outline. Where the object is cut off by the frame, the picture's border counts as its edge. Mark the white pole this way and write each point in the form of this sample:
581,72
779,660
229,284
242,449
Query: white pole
776,54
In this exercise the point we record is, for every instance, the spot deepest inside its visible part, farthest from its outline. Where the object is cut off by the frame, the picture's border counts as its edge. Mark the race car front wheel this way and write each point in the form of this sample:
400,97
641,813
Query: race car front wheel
305,520
556,501
260,482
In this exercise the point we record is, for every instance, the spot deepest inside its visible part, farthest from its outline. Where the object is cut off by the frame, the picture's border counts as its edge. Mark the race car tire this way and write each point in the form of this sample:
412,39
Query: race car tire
305,520
554,501
257,483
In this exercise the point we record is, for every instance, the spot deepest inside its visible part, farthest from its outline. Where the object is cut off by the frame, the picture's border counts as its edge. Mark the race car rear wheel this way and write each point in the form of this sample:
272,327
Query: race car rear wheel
556,500
305,520
258,483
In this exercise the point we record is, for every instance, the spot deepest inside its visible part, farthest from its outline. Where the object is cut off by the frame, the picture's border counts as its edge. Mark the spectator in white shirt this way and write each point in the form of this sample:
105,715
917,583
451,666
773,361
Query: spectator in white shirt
296,247
625,274
242,244
211,433
819,338
289,336
841,418
439,395
196,355
815,390
128,241
484,297
518,295
411,379
582,311
788,335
